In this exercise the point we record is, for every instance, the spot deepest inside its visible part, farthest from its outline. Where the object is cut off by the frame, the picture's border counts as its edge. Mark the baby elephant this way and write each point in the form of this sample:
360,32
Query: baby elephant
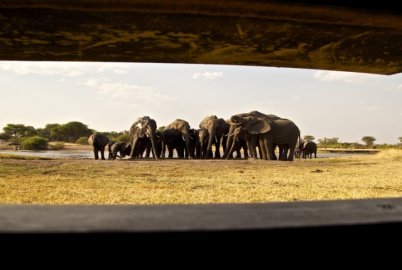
123,148
309,148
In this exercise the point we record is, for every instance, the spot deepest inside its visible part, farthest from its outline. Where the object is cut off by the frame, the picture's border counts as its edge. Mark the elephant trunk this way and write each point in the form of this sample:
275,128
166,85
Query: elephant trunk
132,152
186,136
152,137
212,134
230,144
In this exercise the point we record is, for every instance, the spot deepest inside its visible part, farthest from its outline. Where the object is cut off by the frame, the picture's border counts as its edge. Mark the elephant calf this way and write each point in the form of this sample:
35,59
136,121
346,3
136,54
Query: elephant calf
306,149
123,148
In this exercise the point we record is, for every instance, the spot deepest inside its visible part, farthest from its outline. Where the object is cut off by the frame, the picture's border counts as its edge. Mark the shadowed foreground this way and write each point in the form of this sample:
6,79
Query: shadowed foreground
37,181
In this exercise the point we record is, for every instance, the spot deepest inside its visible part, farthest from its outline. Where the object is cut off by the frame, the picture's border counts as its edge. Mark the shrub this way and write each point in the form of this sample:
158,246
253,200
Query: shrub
34,143
122,138
58,146
82,140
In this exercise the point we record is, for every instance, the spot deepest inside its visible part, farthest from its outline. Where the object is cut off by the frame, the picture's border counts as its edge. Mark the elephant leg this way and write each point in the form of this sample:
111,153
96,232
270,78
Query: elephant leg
243,145
170,151
224,140
251,144
96,153
238,153
218,148
264,149
147,151
133,147
102,150
163,150
291,152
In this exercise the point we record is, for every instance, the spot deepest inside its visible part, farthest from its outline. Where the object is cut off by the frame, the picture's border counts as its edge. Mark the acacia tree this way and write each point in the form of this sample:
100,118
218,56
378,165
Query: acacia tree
16,131
308,138
368,140
72,131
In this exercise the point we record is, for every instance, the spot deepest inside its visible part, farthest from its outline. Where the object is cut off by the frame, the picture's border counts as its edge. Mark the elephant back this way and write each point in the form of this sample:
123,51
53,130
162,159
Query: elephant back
98,140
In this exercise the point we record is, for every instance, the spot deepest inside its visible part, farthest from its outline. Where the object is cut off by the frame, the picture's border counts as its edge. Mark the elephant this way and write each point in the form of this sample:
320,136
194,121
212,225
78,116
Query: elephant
143,127
238,137
217,128
182,129
123,148
145,145
194,144
202,139
268,131
308,149
172,140
98,142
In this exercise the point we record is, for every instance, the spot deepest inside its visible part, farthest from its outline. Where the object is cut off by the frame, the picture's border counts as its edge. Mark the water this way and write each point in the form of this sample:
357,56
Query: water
67,154
84,154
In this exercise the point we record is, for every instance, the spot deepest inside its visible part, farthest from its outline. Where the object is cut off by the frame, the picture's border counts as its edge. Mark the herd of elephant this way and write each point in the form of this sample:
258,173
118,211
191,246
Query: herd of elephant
257,134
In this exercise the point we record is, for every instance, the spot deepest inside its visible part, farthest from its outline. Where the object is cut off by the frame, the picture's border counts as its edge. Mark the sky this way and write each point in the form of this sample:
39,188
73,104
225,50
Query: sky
111,96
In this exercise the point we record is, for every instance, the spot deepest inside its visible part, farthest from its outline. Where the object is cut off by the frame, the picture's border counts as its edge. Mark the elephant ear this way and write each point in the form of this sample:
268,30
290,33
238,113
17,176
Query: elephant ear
205,123
255,125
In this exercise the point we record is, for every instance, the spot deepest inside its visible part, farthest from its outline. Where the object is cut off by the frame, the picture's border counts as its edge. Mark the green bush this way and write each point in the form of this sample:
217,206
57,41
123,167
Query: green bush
58,146
82,140
34,143
122,138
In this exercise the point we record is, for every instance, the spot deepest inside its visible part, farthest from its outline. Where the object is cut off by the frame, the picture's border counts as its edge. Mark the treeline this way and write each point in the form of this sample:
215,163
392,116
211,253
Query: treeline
77,132
37,138
368,143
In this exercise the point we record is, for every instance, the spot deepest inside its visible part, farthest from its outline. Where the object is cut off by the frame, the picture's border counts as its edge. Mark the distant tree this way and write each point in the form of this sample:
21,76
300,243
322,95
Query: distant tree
400,140
4,136
72,131
122,138
47,131
368,140
308,138
16,131
112,135
328,140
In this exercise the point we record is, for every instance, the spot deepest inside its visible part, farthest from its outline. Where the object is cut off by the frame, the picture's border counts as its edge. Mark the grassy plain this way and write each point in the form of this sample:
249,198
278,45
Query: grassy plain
60,181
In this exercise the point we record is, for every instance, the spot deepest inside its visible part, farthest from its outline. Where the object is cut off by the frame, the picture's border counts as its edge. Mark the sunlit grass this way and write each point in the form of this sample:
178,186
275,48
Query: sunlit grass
198,181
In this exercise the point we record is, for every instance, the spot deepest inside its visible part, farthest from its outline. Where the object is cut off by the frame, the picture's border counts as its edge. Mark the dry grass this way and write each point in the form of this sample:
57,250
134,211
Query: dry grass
198,181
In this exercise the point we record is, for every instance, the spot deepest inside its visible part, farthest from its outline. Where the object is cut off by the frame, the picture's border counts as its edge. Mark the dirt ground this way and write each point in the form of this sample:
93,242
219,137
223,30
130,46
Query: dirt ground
63,181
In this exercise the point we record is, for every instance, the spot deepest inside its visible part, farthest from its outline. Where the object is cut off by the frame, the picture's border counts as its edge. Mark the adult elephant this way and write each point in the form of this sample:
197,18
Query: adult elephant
203,137
217,128
143,127
266,130
98,142
172,140
182,129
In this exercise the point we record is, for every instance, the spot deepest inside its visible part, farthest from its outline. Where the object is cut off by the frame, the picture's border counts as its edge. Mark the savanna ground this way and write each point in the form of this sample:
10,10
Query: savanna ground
37,181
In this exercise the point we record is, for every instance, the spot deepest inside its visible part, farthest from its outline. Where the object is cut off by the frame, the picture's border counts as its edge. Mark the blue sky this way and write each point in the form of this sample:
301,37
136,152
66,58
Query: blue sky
110,96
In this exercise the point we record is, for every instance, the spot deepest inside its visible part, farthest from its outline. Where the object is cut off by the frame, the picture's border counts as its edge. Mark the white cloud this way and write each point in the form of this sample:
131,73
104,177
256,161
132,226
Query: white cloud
132,92
65,69
339,76
207,75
